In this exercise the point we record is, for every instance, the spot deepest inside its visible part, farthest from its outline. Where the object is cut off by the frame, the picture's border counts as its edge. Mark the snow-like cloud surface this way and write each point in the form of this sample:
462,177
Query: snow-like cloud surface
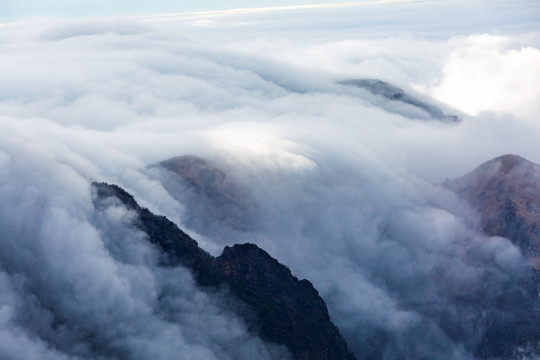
486,73
341,181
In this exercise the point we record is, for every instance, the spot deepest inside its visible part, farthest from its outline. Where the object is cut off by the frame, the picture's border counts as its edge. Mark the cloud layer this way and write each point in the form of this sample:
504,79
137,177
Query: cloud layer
341,187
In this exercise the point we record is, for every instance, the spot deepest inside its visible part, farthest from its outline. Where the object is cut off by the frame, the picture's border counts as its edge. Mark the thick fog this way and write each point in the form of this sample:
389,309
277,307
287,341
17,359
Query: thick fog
339,184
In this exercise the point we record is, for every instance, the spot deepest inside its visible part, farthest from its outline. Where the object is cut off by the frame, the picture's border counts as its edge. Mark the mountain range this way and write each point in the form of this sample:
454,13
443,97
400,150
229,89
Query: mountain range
504,192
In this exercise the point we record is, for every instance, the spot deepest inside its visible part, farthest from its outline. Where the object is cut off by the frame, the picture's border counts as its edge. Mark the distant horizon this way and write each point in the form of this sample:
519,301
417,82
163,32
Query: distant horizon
15,11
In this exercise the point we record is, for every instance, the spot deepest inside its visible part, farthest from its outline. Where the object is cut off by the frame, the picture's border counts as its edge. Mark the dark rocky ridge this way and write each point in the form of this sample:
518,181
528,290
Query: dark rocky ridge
286,310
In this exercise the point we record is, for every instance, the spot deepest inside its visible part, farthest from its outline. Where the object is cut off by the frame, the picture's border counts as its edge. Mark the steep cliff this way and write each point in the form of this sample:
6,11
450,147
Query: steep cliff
278,307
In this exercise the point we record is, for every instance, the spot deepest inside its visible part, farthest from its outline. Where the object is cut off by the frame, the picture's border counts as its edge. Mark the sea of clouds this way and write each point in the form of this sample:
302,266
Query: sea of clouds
342,184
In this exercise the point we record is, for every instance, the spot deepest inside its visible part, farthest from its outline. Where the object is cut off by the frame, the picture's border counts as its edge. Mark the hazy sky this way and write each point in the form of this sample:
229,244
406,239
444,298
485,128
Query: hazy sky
23,9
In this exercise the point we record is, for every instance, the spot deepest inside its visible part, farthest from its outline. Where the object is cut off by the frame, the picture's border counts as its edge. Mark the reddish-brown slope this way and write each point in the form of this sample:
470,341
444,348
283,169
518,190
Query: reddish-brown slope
506,193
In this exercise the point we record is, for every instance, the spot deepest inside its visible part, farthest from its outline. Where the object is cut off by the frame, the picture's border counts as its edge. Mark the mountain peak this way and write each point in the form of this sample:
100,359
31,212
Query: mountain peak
197,171
213,198
509,162
512,170
505,191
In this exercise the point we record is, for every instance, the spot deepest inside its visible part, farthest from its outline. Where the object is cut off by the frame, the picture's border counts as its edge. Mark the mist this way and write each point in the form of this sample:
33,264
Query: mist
340,185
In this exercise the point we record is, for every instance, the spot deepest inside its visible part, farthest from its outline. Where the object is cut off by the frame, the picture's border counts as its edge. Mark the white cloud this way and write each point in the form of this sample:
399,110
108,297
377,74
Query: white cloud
342,186
487,73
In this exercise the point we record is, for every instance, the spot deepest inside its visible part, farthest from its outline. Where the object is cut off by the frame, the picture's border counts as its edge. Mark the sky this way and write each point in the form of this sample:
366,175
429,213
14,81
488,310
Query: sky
340,184
18,10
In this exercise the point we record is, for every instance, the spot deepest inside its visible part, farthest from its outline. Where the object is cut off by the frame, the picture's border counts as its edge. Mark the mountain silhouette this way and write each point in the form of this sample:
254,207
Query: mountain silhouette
278,307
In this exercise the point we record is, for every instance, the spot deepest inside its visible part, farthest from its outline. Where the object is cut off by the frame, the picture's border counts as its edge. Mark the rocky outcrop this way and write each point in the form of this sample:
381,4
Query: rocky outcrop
278,307
289,311
506,193
177,246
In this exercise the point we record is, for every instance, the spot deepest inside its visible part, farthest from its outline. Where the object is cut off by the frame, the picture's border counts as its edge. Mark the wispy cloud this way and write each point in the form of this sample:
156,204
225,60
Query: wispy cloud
344,186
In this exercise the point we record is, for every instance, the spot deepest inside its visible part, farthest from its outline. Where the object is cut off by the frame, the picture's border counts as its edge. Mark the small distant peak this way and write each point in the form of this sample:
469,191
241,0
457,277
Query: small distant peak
186,160
505,165
510,161
185,163
194,169
391,92
509,169
510,157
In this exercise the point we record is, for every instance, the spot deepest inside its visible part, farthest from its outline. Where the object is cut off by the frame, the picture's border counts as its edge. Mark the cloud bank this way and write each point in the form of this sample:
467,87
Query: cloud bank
342,188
